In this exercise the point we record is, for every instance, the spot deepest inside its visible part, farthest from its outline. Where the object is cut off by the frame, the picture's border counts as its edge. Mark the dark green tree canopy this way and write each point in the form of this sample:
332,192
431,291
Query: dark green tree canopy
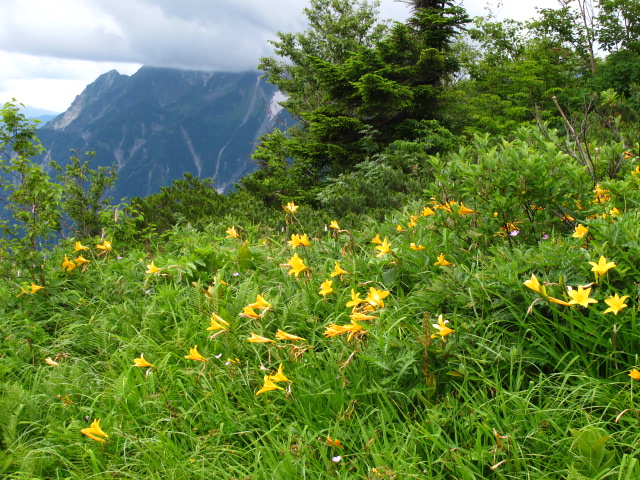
376,86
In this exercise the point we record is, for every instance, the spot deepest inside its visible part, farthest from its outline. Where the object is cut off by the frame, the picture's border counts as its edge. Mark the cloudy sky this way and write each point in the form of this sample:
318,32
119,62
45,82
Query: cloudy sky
51,49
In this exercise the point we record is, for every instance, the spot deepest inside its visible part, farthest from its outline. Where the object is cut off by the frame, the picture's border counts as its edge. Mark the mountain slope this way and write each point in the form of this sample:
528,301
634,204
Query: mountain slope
40,114
159,123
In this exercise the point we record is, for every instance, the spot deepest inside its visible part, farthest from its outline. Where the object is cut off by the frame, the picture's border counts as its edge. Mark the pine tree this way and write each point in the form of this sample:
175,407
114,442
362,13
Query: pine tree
357,94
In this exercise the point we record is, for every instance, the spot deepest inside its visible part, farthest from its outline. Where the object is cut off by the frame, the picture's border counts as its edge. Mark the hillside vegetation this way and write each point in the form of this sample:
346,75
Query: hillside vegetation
458,299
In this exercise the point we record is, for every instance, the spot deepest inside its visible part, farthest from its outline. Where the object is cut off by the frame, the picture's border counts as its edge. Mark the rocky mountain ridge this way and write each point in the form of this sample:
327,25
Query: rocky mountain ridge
159,123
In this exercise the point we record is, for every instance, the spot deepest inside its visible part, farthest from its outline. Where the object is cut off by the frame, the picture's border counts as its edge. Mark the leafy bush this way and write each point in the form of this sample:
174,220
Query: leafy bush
32,199
389,180
521,189
84,204
188,200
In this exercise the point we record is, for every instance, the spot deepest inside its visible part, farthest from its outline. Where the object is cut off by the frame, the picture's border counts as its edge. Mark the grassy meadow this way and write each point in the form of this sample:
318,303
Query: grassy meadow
421,346
434,274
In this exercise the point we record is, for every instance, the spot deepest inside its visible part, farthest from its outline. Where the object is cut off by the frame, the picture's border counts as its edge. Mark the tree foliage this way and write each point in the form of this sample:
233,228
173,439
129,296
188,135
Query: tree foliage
38,209
83,198
189,199
378,86
521,72
30,197
619,25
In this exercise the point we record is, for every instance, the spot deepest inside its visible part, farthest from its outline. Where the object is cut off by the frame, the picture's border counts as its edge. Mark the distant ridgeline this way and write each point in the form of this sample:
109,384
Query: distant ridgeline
40,114
159,123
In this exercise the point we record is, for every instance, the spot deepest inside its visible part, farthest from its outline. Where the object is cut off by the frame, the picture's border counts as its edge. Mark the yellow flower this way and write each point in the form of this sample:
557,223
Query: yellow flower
105,246
375,297
268,386
376,239
443,262
398,228
141,362
31,290
282,335
616,303
195,355
78,246
426,211
412,221
358,317
635,374
334,225
295,240
35,288
353,328
152,269
601,195
534,285
261,303
217,323
334,329
258,339
296,264
51,362
299,241
355,299
81,260
290,208
325,288
384,247
559,302
338,270
335,443
67,264
248,312
464,210
601,267
636,172
94,431
416,247
442,328
279,376
581,297
580,231
447,207
232,233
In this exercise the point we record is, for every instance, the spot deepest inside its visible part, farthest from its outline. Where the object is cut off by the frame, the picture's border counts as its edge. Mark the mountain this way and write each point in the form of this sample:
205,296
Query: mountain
44,119
40,114
35,112
159,123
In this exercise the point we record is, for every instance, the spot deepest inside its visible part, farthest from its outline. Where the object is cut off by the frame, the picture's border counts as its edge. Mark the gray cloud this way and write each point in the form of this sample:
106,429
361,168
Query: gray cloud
51,49
211,35
195,34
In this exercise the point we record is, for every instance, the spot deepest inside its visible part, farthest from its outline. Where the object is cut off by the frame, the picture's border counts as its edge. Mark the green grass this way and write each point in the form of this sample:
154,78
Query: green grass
511,394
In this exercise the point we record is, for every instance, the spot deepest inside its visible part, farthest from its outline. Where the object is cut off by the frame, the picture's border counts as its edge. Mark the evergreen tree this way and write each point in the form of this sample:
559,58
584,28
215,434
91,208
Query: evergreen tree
354,98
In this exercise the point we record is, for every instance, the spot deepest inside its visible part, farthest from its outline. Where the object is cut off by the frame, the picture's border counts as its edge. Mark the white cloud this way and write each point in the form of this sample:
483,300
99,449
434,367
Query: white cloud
50,83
